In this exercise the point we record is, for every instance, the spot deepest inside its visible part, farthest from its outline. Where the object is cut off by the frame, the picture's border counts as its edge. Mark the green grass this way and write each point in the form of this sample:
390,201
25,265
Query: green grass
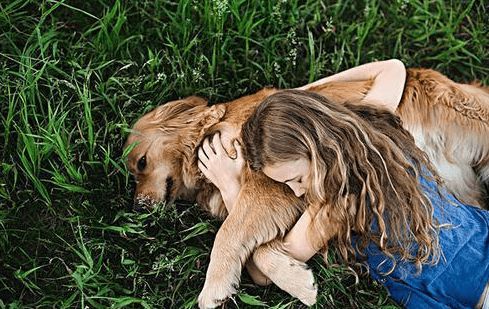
74,76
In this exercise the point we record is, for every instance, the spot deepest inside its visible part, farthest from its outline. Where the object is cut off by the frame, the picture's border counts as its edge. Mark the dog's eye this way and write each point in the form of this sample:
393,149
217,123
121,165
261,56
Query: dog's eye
142,163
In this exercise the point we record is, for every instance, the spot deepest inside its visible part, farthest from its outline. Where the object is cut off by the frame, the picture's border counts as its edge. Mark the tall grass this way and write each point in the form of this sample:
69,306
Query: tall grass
74,76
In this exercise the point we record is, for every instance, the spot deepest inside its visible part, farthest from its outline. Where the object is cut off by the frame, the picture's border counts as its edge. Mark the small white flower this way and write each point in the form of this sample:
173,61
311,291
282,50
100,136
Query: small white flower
161,76
292,54
196,74
277,14
220,7
329,25
276,68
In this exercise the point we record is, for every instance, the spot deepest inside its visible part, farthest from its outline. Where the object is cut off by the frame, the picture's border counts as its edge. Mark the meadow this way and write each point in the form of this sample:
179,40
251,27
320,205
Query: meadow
75,75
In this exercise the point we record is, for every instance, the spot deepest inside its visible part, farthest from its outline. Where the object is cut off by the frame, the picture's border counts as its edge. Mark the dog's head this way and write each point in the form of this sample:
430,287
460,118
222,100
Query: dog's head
164,143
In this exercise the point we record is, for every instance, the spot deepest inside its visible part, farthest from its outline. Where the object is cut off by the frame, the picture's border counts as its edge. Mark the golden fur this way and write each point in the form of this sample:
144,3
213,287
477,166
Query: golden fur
448,120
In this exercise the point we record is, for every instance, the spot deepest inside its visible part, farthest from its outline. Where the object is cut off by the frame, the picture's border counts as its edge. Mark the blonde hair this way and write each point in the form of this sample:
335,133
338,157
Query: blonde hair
364,172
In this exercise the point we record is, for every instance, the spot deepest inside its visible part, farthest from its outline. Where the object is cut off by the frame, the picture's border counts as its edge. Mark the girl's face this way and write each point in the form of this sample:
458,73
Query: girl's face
295,174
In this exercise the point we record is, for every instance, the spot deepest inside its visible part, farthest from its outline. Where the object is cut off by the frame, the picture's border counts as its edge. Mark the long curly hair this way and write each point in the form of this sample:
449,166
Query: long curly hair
364,172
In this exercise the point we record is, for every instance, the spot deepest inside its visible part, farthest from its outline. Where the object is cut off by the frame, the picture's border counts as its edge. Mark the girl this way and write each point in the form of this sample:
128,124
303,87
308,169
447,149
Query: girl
372,192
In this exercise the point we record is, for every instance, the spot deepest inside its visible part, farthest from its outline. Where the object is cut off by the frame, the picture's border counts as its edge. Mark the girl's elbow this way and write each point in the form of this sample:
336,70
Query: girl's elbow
397,65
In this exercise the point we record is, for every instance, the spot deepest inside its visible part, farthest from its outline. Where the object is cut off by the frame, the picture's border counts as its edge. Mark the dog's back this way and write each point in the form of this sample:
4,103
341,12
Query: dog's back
450,122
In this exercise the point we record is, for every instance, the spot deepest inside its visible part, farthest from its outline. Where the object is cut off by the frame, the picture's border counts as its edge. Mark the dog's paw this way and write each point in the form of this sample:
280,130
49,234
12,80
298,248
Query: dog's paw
289,274
213,295
298,281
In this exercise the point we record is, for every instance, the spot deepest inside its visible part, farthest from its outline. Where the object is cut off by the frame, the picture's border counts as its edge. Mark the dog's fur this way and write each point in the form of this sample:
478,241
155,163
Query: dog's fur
449,121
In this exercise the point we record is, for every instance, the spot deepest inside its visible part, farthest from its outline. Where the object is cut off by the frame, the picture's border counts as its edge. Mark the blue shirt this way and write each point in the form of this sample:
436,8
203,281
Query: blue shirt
459,278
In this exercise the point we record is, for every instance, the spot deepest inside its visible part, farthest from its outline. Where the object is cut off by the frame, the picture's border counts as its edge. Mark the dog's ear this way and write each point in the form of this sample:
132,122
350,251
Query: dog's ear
174,109
212,116
209,117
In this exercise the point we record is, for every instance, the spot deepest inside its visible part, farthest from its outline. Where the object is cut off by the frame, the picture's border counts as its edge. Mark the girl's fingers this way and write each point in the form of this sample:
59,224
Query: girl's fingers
202,156
216,142
207,148
201,166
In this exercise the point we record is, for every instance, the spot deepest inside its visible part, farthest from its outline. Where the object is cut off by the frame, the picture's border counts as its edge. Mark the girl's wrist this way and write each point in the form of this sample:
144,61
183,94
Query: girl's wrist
230,194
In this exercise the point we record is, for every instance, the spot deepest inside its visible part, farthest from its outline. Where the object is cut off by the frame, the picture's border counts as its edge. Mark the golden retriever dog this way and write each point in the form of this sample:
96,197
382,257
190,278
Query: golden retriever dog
449,121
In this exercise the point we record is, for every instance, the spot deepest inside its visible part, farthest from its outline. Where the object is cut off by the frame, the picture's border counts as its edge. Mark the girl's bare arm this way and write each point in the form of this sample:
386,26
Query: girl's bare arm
388,78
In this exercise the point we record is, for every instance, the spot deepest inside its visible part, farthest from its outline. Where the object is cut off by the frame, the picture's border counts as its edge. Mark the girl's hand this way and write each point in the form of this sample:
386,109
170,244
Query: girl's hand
223,171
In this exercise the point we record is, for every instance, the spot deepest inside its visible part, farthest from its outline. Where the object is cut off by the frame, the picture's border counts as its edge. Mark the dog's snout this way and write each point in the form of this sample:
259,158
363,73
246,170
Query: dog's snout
142,202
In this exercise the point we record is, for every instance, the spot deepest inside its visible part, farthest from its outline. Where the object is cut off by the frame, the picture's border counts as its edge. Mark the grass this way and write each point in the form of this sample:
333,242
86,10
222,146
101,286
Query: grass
74,76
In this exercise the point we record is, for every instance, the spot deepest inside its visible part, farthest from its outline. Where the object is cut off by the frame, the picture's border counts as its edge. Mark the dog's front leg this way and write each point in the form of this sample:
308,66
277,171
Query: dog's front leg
263,211
233,245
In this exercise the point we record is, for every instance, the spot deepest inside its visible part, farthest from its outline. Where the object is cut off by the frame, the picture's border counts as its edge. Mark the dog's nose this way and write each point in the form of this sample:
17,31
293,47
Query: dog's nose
137,207
142,202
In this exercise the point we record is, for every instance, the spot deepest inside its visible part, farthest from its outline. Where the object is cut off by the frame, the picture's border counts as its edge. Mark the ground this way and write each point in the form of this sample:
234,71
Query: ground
74,77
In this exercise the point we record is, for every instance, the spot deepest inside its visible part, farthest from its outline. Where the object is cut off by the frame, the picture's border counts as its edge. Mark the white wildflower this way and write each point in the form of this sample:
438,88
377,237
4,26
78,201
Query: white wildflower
220,7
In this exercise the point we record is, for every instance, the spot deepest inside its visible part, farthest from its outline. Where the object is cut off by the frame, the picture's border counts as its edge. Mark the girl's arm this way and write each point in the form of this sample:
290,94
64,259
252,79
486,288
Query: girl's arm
296,241
388,78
